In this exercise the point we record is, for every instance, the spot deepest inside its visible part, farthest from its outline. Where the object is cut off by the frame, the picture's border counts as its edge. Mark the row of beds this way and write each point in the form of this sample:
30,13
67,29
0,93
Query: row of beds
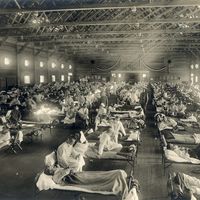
183,172
124,159
22,132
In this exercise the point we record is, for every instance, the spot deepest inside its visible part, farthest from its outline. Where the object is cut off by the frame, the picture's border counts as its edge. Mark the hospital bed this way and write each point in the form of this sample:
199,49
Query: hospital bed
45,182
181,139
133,138
126,154
170,157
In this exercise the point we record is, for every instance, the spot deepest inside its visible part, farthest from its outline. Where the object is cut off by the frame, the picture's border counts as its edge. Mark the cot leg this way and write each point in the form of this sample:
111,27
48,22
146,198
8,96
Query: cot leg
19,146
164,166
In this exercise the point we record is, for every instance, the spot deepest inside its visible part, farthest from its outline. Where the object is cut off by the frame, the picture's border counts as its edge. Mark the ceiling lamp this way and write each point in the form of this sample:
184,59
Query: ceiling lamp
19,14
144,75
39,19
134,9
137,25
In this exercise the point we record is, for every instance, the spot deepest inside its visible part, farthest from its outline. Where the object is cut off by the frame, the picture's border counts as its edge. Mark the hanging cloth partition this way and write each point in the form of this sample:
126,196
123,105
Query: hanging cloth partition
109,68
152,69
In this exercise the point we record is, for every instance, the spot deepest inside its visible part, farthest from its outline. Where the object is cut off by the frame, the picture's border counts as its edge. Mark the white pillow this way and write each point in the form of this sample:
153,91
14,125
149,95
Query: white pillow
50,159
45,182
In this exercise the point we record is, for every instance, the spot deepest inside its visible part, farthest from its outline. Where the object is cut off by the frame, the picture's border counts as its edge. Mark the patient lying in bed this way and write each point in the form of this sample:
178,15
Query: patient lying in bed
181,154
102,182
185,187
166,123
108,182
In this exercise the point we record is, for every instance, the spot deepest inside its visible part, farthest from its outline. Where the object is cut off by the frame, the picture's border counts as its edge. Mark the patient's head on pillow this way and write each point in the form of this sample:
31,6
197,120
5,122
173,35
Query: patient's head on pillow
72,138
50,170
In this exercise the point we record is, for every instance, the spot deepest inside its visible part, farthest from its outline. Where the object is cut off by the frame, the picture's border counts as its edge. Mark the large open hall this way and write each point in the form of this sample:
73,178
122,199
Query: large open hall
100,99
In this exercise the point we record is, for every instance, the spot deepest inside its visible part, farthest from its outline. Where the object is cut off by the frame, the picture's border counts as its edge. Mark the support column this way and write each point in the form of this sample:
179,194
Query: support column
18,67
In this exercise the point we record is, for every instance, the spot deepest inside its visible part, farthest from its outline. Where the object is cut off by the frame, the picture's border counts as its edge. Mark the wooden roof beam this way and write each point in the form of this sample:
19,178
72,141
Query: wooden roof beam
106,6
103,23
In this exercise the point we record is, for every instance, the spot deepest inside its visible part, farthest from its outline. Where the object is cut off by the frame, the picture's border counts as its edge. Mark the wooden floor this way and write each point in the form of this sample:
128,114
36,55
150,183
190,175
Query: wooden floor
17,172
149,169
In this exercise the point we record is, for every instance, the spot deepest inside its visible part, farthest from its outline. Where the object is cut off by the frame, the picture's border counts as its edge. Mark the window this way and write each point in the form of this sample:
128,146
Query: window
119,75
27,79
62,77
144,75
26,63
41,64
192,80
41,78
192,75
69,79
53,78
113,75
70,74
62,66
197,66
53,65
196,79
70,67
192,66
6,61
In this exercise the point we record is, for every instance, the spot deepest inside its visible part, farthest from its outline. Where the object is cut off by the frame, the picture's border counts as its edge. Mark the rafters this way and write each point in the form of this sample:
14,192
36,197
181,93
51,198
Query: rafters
106,6
103,23
103,26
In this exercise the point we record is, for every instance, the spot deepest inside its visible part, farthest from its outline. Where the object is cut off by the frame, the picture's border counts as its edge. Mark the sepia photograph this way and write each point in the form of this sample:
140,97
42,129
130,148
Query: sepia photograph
99,99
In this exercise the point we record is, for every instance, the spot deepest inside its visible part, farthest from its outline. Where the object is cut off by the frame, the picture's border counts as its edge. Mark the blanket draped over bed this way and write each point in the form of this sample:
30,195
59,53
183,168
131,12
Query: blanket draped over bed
188,186
102,182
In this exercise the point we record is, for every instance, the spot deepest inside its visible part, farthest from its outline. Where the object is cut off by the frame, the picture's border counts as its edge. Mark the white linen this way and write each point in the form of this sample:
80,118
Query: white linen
134,136
173,156
45,182
192,118
132,195
20,136
193,184
196,138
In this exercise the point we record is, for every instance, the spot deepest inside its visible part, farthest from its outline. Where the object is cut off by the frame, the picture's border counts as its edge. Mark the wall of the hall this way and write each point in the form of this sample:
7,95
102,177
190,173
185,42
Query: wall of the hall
15,72
92,67
179,68
177,71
